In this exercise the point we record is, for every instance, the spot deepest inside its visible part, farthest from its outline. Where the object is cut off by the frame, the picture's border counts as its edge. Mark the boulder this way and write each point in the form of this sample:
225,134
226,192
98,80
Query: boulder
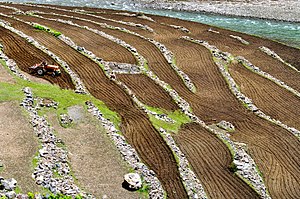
133,180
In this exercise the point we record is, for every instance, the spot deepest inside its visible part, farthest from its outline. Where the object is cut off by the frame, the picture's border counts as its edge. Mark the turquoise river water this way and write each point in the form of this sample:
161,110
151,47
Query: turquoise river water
285,32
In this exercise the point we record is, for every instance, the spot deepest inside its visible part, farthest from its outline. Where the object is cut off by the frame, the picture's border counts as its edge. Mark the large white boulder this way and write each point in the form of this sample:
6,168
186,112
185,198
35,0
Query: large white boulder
133,180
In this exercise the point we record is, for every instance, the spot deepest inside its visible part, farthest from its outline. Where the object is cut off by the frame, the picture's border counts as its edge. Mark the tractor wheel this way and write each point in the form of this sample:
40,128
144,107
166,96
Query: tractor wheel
40,72
57,73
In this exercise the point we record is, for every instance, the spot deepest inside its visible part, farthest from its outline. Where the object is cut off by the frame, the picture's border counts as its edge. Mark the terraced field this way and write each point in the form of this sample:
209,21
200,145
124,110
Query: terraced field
177,100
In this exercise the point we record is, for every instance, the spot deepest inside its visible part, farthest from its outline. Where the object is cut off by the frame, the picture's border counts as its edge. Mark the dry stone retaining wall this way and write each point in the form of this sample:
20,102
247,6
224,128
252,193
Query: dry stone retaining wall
129,154
257,70
52,160
192,184
169,56
79,87
144,27
243,41
247,168
276,56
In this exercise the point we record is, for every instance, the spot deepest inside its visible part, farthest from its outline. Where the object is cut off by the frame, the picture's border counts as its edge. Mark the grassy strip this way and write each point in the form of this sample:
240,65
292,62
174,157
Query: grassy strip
65,98
43,28
178,117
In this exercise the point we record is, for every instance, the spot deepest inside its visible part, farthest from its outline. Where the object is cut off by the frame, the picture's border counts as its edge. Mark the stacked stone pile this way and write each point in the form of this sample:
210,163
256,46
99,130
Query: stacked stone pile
7,188
243,41
129,154
52,170
65,119
138,15
226,126
276,56
123,68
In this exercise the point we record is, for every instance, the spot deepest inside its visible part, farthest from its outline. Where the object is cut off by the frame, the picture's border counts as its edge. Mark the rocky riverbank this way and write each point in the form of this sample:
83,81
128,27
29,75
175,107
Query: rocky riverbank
284,10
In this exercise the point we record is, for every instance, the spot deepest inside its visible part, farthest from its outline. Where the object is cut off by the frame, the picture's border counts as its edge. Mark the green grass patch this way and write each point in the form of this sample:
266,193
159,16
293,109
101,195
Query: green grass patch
144,191
178,117
50,30
65,98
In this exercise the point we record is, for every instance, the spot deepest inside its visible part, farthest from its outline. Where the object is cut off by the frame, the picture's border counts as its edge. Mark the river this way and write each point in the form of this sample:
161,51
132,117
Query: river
285,32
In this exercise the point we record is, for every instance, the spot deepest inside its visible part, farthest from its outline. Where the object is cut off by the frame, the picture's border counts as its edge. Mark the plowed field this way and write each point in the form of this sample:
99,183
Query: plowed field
274,149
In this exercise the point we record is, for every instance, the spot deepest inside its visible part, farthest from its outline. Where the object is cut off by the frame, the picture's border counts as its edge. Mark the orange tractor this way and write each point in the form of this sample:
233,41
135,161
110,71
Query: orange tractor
44,68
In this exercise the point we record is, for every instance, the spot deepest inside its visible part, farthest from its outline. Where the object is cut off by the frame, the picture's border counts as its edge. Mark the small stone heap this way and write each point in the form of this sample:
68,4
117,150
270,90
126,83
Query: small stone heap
243,41
65,119
129,154
52,171
7,188
276,56
124,68
227,126
11,64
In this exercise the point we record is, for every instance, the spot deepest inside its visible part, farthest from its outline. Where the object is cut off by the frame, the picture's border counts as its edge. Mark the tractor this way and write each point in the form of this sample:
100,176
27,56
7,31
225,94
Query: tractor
44,68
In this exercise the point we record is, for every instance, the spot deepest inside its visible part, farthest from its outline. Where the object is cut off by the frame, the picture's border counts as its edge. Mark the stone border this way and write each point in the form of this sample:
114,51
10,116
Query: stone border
141,60
138,15
183,29
80,88
213,31
222,59
141,26
129,154
151,173
12,65
247,64
276,56
169,56
243,41
191,182
52,160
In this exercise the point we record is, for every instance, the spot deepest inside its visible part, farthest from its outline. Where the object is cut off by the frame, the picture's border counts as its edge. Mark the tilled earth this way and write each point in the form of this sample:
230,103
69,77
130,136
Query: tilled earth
274,149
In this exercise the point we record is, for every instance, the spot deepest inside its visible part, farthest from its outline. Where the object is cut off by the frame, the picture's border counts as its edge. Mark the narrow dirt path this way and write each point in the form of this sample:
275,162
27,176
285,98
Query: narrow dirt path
18,146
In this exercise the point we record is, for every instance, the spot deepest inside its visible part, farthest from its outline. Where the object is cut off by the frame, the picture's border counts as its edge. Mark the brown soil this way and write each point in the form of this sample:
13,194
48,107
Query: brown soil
271,98
96,163
5,76
136,126
210,159
150,93
274,149
18,146
26,55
